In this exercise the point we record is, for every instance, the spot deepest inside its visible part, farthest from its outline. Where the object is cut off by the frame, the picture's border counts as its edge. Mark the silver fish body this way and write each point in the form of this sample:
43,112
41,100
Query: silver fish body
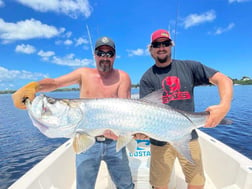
125,117
133,116
64,117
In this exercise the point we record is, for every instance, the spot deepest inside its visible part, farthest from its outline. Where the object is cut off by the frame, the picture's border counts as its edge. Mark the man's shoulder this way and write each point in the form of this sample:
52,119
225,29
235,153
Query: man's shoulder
122,73
150,70
185,62
86,70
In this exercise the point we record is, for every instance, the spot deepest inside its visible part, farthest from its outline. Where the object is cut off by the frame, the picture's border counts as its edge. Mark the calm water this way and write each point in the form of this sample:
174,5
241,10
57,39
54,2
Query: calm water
22,145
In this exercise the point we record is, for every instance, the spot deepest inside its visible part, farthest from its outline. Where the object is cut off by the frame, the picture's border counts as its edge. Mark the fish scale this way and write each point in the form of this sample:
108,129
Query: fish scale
133,115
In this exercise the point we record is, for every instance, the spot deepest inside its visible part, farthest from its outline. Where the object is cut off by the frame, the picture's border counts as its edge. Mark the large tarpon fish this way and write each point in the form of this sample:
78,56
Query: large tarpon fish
83,119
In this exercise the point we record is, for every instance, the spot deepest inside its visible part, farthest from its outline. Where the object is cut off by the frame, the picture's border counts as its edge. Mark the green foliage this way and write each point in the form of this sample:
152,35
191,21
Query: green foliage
244,81
7,91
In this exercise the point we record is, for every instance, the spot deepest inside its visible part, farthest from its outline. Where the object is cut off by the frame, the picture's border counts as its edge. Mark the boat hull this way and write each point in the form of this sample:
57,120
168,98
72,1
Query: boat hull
224,167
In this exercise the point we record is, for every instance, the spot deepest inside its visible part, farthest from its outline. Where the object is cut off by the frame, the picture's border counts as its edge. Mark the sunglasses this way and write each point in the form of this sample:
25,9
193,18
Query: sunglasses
108,54
163,43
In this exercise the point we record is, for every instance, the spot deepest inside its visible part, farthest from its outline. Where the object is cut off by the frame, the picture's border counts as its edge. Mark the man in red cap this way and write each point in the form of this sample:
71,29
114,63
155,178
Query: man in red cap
178,79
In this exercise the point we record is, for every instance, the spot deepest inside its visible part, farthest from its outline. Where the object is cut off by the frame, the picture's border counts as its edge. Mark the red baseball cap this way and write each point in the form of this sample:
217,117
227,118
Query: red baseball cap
161,33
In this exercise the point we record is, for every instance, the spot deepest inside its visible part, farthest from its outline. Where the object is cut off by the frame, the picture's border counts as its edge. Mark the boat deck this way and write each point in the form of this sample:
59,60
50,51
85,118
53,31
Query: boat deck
224,168
142,182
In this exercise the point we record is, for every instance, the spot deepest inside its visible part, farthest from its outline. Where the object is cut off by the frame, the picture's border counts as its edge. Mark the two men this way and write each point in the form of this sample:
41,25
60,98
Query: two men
177,78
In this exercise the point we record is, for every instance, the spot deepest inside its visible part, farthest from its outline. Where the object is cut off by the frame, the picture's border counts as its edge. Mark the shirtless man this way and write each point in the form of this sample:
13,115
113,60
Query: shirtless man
101,82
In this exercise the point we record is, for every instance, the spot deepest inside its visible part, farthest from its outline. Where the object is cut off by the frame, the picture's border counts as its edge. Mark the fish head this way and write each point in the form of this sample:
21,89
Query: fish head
55,117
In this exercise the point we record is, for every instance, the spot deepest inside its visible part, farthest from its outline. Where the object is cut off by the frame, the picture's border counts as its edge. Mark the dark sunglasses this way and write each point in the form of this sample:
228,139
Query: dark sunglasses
163,43
108,54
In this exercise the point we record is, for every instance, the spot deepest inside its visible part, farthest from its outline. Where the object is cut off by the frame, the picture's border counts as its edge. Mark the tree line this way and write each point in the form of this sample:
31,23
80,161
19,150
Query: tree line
244,81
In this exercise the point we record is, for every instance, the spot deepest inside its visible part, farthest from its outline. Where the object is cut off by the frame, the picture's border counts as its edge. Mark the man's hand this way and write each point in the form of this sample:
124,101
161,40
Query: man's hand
217,113
109,134
28,91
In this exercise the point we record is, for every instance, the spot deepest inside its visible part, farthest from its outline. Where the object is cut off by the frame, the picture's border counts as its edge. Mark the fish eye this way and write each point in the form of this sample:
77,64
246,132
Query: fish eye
51,100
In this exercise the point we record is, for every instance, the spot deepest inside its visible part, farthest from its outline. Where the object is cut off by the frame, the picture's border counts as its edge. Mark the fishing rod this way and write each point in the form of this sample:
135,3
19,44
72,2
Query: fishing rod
90,41
175,30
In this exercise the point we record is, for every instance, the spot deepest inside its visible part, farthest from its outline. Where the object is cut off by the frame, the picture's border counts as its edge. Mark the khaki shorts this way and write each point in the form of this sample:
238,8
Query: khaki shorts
162,161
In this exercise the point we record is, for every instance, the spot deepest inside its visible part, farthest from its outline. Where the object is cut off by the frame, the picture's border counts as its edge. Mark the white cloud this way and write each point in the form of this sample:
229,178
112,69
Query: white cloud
222,30
68,42
70,60
68,34
196,19
81,41
72,8
28,29
1,3
77,42
11,75
137,52
46,54
27,49
238,1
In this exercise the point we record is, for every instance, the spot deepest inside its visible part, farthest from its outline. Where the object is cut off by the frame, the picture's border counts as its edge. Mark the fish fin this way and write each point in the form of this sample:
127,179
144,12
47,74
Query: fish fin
154,97
82,142
182,147
226,121
122,141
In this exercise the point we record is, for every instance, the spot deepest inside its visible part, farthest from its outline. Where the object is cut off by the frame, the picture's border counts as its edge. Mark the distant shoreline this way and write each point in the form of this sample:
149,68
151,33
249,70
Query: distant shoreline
235,82
57,90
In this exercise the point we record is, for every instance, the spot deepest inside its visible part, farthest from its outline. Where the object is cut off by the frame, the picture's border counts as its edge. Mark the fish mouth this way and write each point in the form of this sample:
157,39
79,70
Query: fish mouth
42,127
26,100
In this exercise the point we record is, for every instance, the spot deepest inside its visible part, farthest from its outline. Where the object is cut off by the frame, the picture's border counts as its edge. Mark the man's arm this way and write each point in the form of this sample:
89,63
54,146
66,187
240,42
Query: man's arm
48,84
225,88
45,85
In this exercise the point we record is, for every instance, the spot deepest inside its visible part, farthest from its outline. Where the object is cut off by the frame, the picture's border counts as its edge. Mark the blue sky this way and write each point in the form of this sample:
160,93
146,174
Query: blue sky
40,38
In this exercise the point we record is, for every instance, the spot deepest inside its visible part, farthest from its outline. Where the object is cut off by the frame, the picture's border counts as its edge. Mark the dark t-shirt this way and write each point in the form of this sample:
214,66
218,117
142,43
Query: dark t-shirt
178,81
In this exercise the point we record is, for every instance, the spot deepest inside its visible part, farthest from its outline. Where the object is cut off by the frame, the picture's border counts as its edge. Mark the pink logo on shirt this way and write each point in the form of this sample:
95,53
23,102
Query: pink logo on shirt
171,86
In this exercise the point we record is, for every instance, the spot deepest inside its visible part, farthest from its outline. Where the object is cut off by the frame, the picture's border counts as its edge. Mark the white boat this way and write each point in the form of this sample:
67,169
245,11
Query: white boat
224,167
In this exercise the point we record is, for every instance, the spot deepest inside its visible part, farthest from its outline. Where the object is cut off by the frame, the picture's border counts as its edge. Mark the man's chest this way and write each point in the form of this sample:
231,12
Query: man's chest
96,90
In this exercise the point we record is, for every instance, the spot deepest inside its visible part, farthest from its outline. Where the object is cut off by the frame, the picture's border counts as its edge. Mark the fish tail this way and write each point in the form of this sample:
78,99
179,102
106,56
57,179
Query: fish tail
226,121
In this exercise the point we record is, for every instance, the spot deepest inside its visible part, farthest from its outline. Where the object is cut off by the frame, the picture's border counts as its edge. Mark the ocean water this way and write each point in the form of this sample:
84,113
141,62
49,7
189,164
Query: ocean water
22,145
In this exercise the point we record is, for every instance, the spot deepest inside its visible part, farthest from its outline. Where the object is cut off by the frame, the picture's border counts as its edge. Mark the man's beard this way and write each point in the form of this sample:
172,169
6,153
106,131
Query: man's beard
104,66
164,60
